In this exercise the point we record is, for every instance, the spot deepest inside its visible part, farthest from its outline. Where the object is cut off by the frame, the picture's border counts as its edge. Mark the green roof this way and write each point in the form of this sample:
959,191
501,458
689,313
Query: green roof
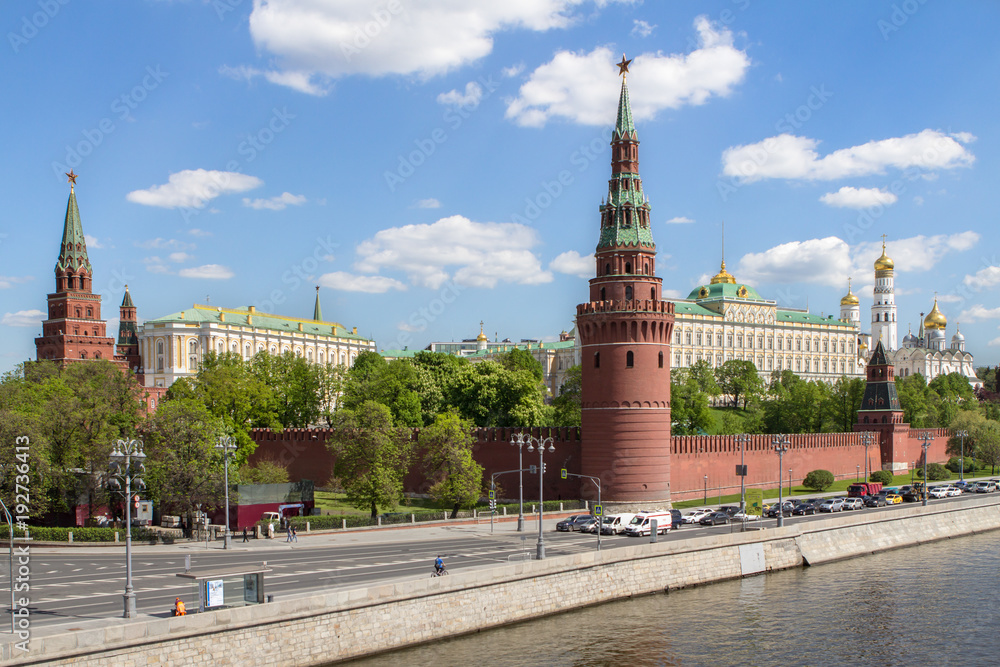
687,308
808,318
127,299
73,251
624,126
243,317
399,354
726,291
501,348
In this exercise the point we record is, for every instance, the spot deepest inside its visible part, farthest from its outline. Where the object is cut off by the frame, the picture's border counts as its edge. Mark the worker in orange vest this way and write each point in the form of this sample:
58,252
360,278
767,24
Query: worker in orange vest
179,609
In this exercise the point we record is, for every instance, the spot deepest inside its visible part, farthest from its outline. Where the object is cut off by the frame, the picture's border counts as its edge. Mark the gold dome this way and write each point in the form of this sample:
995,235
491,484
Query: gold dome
482,336
883,263
850,299
723,276
935,319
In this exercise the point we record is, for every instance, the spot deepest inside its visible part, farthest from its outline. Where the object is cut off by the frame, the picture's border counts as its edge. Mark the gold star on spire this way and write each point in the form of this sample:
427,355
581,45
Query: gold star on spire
623,65
72,178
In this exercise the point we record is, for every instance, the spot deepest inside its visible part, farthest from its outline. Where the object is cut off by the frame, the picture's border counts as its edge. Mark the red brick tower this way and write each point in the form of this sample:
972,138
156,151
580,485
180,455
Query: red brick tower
128,335
625,332
881,411
74,329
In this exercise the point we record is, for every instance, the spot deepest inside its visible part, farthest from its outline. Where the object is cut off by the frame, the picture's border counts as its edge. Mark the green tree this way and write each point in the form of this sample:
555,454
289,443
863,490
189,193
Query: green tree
703,376
183,467
739,378
392,384
969,421
842,403
913,398
457,480
689,412
567,405
490,395
263,472
818,480
987,436
521,360
295,384
372,456
881,476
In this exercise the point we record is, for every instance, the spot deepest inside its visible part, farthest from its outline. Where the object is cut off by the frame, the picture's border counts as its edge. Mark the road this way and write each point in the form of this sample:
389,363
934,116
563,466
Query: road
73,585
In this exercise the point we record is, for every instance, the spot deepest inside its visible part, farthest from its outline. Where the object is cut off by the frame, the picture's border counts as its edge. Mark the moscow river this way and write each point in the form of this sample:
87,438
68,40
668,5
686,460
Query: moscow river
932,604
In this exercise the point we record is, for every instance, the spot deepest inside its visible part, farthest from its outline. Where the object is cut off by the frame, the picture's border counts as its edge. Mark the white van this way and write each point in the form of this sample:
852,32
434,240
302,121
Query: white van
614,524
641,523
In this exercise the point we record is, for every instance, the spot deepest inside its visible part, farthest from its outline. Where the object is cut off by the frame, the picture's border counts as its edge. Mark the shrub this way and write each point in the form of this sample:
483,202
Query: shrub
935,472
882,476
818,480
954,464
61,534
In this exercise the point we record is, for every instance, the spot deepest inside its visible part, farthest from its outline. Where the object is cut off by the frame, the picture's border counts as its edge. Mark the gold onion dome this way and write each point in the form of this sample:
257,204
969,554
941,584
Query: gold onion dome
935,319
850,299
723,276
482,336
883,263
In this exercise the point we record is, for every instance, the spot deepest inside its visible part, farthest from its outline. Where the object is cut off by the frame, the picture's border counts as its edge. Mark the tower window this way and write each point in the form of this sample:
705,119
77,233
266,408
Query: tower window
603,298
90,312
652,293
607,269
628,292
597,359
661,360
629,359
628,267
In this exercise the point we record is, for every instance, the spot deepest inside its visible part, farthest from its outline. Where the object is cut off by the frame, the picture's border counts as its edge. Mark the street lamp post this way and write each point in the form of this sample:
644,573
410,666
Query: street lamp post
125,471
866,440
226,445
857,473
925,441
780,443
744,439
519,440
706,489
962,435
789,482
540,547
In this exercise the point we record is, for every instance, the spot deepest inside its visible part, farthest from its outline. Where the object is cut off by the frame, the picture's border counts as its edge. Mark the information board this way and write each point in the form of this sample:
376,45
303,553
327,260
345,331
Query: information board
216,594
755,502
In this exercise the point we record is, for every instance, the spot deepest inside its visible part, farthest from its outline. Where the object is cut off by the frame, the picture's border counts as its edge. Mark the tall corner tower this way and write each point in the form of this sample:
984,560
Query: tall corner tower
625,331
881,410
128,334
74,329
884,306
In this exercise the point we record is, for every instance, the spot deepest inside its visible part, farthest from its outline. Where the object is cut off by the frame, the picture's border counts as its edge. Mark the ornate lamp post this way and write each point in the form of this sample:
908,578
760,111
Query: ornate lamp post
124,474
744,439
857,473
226,445
540,547
925,441
789,482
519,440
866,440
706,489
962,435
780,443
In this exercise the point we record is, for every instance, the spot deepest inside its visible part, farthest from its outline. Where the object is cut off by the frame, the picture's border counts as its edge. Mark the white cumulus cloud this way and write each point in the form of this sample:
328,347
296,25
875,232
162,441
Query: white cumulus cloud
23,318
193,188
476,254
469,99
92,241
641,28
826,261
582,87
790,157
679,220
984,278
347,282
979,312
6,282
179,257
572,263
916,253
207,272
427,203
315,42
848,197
275,203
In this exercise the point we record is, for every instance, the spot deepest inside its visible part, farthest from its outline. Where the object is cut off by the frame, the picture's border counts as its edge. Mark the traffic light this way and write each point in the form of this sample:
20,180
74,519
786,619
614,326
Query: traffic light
543,467
533,469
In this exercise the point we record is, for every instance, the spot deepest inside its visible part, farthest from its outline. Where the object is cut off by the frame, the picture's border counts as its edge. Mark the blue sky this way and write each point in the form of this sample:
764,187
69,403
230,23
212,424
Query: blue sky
433,164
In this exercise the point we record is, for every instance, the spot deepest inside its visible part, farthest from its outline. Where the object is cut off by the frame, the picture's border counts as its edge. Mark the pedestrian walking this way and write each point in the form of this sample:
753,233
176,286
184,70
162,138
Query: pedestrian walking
288,534
245,538
295,535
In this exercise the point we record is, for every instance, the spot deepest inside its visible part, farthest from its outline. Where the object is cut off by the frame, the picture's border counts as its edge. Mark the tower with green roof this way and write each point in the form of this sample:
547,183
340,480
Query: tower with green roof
74,329
625,330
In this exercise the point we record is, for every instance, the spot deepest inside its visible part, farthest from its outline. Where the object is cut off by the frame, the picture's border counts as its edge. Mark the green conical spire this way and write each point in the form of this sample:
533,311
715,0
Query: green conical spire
624,126
317,311
73,252
127,300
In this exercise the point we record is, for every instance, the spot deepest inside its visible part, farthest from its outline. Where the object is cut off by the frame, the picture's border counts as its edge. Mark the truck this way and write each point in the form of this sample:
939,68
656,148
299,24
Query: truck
864,489
641,523
614,524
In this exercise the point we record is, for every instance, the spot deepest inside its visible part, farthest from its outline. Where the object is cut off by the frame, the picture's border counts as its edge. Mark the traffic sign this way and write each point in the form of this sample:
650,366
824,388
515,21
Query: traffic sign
563,473
598,510
755,502
493,494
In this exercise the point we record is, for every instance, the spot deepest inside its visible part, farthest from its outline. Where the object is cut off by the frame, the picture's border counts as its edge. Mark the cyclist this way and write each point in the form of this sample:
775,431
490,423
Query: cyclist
438,566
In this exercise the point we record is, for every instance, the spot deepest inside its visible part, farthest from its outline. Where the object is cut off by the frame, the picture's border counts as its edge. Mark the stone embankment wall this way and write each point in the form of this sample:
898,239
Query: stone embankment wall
319,629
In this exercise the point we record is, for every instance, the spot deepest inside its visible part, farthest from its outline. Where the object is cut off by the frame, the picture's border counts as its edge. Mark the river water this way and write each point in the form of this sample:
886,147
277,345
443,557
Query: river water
932,604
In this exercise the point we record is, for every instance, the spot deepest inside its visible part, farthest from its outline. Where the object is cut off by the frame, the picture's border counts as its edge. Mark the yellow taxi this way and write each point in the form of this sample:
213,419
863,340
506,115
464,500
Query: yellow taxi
893,499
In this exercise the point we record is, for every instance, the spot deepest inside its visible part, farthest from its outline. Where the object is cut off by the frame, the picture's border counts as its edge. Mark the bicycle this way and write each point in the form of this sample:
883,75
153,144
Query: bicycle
440,573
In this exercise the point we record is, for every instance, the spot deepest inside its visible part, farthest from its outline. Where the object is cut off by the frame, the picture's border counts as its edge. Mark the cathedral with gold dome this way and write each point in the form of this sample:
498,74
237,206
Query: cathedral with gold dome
727,320
928,353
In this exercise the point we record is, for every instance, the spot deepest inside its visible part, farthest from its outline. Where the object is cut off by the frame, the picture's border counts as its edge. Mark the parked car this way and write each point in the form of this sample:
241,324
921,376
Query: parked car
743,516
853,504
963,486
729,509
893,499
952,491
694,516
985,486
831,505
614,524
875,501
642,523
570,523
786,509
938,492
804,508
588,526
676,520
715,519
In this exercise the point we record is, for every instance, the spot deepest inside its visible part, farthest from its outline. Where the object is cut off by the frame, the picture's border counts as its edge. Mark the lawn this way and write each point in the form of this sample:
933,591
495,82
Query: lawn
331,502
